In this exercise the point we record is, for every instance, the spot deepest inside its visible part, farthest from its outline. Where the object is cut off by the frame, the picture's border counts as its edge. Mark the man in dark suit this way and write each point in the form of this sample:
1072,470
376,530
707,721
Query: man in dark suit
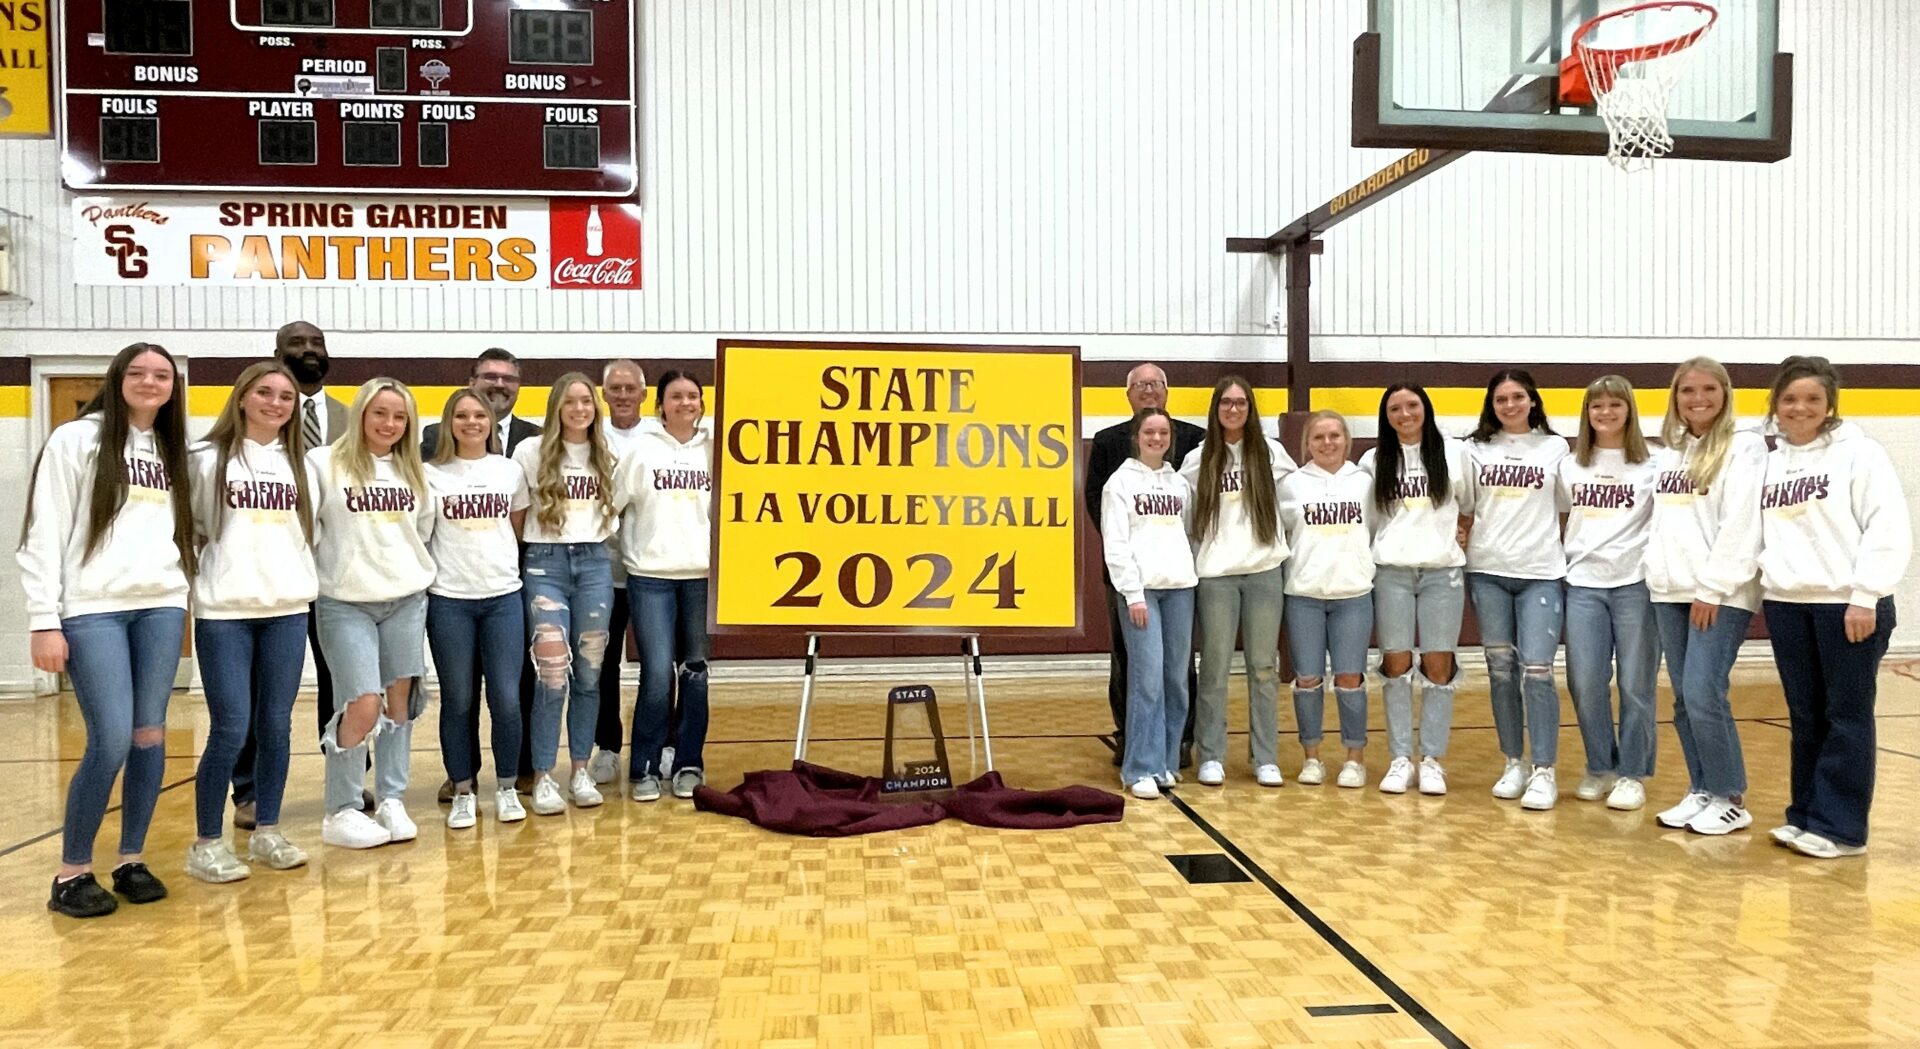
302,347
495,376
1146,388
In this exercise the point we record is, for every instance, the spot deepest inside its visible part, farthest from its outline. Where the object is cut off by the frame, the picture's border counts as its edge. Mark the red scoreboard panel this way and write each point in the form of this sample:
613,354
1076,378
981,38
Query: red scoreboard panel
511,97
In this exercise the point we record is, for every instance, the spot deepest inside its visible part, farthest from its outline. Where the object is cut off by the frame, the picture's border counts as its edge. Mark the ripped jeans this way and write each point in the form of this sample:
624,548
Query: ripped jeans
1520,622
371,645
569,591
122,666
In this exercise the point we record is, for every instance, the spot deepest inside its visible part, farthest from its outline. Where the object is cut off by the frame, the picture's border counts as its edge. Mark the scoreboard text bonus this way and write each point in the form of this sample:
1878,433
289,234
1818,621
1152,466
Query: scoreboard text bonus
522,97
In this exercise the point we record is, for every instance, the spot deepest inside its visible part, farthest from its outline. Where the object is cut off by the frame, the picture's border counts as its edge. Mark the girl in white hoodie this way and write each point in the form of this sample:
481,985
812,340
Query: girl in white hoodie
1144,510
253,510
1835,541
663,491
105,557
1327,507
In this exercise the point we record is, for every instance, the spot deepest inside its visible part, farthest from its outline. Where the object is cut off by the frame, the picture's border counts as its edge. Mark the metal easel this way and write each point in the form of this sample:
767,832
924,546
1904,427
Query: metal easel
977,694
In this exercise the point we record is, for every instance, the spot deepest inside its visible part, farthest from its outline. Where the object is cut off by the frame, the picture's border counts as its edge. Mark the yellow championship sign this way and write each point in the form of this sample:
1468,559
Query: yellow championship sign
870,488
24,61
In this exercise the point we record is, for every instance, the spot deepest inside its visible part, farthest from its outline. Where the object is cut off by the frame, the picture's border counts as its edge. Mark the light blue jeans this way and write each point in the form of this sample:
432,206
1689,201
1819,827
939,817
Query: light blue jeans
1605,627
1520,622
1433,600
1317,629
122,666
1158,655
1699,662
569,591
1247,606
369,646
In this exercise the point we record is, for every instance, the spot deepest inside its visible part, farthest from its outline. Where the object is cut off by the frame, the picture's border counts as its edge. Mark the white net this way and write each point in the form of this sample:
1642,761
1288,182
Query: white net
1632,63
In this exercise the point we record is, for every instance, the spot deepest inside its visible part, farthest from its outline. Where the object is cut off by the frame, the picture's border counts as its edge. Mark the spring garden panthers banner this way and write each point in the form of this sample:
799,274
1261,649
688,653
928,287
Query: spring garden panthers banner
864,487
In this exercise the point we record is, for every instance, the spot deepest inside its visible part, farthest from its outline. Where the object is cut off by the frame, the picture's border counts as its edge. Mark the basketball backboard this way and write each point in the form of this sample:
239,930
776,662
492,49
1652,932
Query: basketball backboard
1484,75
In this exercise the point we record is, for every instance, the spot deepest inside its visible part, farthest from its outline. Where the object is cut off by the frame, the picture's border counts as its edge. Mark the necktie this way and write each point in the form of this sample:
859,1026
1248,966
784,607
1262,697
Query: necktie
310,425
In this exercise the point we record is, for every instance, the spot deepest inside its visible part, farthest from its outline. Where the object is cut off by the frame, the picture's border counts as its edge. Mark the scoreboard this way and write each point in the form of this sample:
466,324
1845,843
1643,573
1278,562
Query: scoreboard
509,97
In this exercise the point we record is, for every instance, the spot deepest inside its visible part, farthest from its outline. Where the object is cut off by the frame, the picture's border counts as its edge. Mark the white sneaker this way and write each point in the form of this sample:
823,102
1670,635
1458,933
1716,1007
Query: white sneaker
1512,781
1268,776
392,814
461,815
1145,788
546,796
1627,794
585,794
1399,776
1784,834
1166,780
1722,816
666,761
1595,785
646,788
1433,778
273,849
214,861
605,766
1211,774
1542,790
507,807
352,829
1820,848
1352,774
1682,814
1312,773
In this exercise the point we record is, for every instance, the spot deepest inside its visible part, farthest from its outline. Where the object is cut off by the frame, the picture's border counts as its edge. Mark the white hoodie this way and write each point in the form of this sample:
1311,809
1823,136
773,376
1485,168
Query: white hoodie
1706,547
1414,533
135,566
1609,506
475,553
663,490
257,562
372,539
1833,521
581,520
1230,548
1513,497
1143,529
1329,520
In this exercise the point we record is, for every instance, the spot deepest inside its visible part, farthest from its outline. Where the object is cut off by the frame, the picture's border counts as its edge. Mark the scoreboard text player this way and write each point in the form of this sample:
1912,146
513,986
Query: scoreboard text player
517,97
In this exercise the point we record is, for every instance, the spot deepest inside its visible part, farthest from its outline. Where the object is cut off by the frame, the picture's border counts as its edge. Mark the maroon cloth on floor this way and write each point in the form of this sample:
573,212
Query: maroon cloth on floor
826,803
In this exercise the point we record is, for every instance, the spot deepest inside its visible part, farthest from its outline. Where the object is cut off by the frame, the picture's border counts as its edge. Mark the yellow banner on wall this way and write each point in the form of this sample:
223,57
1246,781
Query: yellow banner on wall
864,487
24,62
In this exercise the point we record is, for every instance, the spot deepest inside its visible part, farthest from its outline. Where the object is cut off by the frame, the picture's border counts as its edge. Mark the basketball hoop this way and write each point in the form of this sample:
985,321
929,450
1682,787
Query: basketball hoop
1625,64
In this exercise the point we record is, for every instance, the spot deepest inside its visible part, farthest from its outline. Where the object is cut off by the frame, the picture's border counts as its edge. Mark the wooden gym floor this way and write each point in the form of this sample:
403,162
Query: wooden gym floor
1358,919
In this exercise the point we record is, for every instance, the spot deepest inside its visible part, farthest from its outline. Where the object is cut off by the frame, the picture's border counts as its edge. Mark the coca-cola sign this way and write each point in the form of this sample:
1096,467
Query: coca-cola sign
595,244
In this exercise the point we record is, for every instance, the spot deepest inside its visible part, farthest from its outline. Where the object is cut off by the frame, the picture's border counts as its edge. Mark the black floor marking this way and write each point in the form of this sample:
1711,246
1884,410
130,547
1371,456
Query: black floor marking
38,838
1349,1010
1208,868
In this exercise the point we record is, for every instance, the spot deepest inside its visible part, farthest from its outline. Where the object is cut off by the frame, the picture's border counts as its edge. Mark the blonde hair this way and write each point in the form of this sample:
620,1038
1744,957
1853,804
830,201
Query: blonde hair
1617,387
548,482
229,435
1306,431
350,454
448,446
1711,453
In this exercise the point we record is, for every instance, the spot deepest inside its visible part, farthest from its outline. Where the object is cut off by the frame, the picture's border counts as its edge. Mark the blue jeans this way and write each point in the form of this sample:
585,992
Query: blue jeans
670,617
1317,629
122,666
569,595
372,645
250,669
1158,658
1831,684
1429,602
1699,662
1606,626
1520,623
1247,606
483,632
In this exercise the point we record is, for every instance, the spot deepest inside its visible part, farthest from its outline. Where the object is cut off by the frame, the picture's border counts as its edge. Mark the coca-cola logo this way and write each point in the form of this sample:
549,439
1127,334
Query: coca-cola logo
599,273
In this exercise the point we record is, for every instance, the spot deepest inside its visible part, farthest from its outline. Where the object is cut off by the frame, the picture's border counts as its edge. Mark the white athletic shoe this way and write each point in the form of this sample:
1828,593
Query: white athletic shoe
273,849
1312,773
1627,794
646,788
605,766
507,807
666,761
1721,816
1352,774
1166,780
585,794
1595,785
214,861
1820,848
1784,834
392,814
1211,774
1268,776
1682,814
1542,789
1145,788
462,814
353,829
1512,781
546,796
1433,778
1399,776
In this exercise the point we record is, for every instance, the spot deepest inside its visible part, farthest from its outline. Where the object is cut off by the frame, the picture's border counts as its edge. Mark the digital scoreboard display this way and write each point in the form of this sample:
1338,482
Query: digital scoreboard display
509,97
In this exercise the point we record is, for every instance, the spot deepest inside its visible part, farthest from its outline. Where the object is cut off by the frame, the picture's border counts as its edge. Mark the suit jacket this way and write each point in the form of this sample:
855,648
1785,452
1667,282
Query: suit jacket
518,430
1111,448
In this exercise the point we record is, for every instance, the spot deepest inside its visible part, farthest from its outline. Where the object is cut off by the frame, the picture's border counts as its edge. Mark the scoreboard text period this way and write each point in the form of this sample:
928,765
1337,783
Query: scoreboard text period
519,97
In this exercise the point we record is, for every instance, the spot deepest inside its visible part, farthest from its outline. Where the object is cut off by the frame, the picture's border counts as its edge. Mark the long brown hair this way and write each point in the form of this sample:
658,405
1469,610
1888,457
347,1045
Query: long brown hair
109,492
1634,442
1703,469
549,483
229,435
449,446
1256,470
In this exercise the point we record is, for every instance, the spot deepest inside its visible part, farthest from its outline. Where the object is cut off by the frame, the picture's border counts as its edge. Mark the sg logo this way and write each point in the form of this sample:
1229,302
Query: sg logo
128,255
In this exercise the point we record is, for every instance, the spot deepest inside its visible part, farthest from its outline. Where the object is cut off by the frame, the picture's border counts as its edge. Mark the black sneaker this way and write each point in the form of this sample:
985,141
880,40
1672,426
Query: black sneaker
81,897
137,883
243,815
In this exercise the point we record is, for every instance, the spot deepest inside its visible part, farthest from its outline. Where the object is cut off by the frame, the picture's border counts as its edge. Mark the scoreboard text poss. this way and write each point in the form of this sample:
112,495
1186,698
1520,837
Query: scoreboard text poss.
525,97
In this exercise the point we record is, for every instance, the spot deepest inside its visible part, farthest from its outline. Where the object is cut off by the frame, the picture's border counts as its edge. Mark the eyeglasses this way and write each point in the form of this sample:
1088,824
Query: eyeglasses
1147,384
